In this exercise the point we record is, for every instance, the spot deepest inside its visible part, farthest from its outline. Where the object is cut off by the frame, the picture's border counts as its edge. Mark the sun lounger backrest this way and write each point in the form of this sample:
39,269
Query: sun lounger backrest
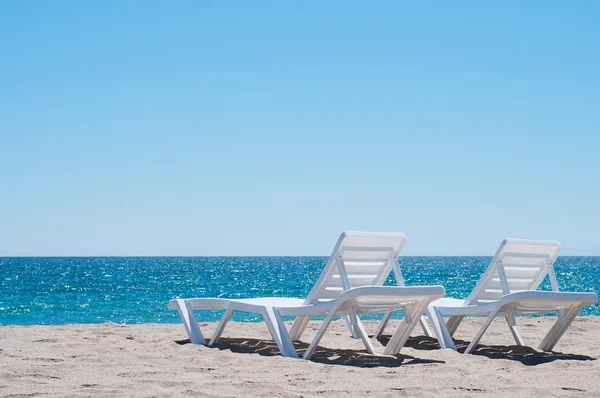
518,265
358,259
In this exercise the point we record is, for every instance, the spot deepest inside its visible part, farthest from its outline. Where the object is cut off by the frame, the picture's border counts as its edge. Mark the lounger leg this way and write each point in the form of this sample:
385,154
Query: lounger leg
482,330
221,326
396,337
512,324
298,327
313,345
363,334
559,328
279,332
352,323
439,327
401,334
453,323
382,325
189,322
386,318
425,326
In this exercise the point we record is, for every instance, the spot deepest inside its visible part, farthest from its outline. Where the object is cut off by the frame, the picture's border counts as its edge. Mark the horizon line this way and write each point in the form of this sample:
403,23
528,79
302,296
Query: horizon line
260,255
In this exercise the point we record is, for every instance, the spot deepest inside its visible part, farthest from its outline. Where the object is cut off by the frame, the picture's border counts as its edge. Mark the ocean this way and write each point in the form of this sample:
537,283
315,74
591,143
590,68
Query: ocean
67,290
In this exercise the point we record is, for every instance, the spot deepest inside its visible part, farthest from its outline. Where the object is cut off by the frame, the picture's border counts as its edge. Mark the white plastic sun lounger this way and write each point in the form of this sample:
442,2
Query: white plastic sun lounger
507,289
349,285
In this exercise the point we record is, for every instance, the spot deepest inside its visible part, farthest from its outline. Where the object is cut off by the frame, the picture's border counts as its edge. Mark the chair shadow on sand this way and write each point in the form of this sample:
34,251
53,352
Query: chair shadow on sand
526,355
360,358
328,356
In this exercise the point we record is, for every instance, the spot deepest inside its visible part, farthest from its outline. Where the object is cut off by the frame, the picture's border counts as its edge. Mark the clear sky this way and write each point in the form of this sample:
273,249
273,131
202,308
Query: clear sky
267,128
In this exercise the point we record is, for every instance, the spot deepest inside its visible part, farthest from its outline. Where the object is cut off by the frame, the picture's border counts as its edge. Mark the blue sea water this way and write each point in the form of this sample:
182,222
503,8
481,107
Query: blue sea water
56,291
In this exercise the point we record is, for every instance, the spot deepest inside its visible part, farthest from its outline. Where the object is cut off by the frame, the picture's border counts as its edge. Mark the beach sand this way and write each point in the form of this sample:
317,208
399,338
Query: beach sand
152,360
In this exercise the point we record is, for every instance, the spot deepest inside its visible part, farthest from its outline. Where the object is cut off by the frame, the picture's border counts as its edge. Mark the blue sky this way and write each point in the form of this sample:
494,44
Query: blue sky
267,128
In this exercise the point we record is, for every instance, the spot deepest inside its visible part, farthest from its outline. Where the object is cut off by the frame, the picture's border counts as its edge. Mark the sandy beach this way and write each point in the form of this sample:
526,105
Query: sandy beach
152,360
